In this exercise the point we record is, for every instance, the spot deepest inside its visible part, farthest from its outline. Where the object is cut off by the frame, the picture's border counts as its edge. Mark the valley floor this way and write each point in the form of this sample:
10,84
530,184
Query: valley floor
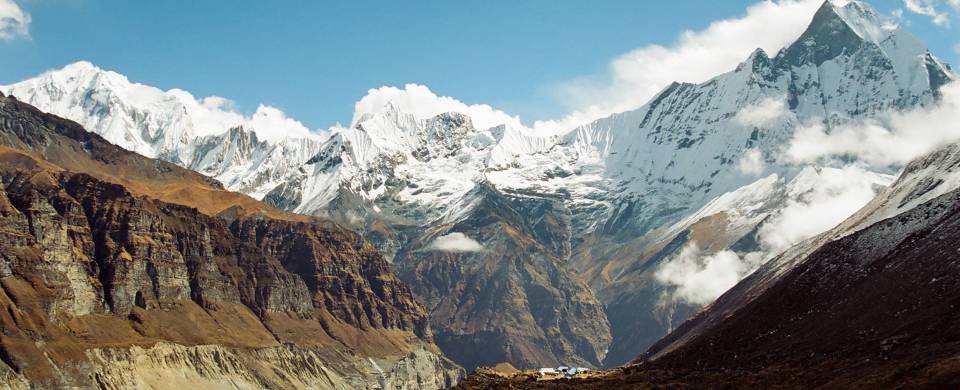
919,371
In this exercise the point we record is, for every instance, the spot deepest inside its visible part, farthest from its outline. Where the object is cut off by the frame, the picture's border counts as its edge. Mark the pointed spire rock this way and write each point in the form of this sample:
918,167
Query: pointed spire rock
757,60
829,35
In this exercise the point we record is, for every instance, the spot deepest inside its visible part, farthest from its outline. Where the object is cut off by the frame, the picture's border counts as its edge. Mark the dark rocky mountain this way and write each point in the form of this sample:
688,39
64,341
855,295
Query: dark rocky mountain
117,271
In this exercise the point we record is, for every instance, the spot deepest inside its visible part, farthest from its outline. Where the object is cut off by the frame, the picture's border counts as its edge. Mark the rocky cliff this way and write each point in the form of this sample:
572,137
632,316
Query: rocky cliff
511,299
114,270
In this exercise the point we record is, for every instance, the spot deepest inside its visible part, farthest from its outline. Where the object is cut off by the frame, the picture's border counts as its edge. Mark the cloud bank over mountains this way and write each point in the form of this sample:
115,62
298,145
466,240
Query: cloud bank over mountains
900,138
422,103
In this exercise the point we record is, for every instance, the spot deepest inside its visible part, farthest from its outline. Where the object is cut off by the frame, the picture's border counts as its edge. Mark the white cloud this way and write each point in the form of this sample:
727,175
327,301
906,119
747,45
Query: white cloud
273,124
928,8
697,279
14,23
817,200
455,242
635,77
218,103
751,163
215,114
422,103
830,196
762,113
895,141
893,22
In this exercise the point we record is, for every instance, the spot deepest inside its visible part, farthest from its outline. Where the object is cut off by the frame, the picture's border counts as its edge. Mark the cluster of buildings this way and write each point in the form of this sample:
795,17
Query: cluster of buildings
561,371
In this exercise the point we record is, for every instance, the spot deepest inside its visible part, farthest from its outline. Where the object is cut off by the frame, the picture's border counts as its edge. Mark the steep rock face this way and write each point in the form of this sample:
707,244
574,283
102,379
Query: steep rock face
510,300
353,283
87,265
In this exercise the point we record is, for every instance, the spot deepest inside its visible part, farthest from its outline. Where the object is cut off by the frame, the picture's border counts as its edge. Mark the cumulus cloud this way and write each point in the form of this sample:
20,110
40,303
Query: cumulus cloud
215,114
14,22
698,279
929,8
763,112
218,103
895,140
751,163
422,103
635,77
455,242
273,124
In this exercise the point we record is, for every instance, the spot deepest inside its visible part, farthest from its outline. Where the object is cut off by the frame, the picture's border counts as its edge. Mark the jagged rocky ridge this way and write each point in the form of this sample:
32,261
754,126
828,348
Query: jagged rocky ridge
618,183
245,154
105,284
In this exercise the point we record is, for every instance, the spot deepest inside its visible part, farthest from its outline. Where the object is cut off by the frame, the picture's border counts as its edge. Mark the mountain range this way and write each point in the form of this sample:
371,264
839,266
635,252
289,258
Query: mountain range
538,250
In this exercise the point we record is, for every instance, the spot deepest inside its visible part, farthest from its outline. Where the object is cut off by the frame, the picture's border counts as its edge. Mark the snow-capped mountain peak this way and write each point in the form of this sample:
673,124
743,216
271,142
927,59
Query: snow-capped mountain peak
143,118
836,30
864,20
247,153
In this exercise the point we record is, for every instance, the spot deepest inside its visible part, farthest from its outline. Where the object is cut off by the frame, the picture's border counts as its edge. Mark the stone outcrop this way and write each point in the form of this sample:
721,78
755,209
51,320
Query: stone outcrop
116,273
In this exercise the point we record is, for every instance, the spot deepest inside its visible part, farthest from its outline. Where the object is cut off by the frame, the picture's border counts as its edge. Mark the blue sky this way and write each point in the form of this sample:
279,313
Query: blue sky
315,59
